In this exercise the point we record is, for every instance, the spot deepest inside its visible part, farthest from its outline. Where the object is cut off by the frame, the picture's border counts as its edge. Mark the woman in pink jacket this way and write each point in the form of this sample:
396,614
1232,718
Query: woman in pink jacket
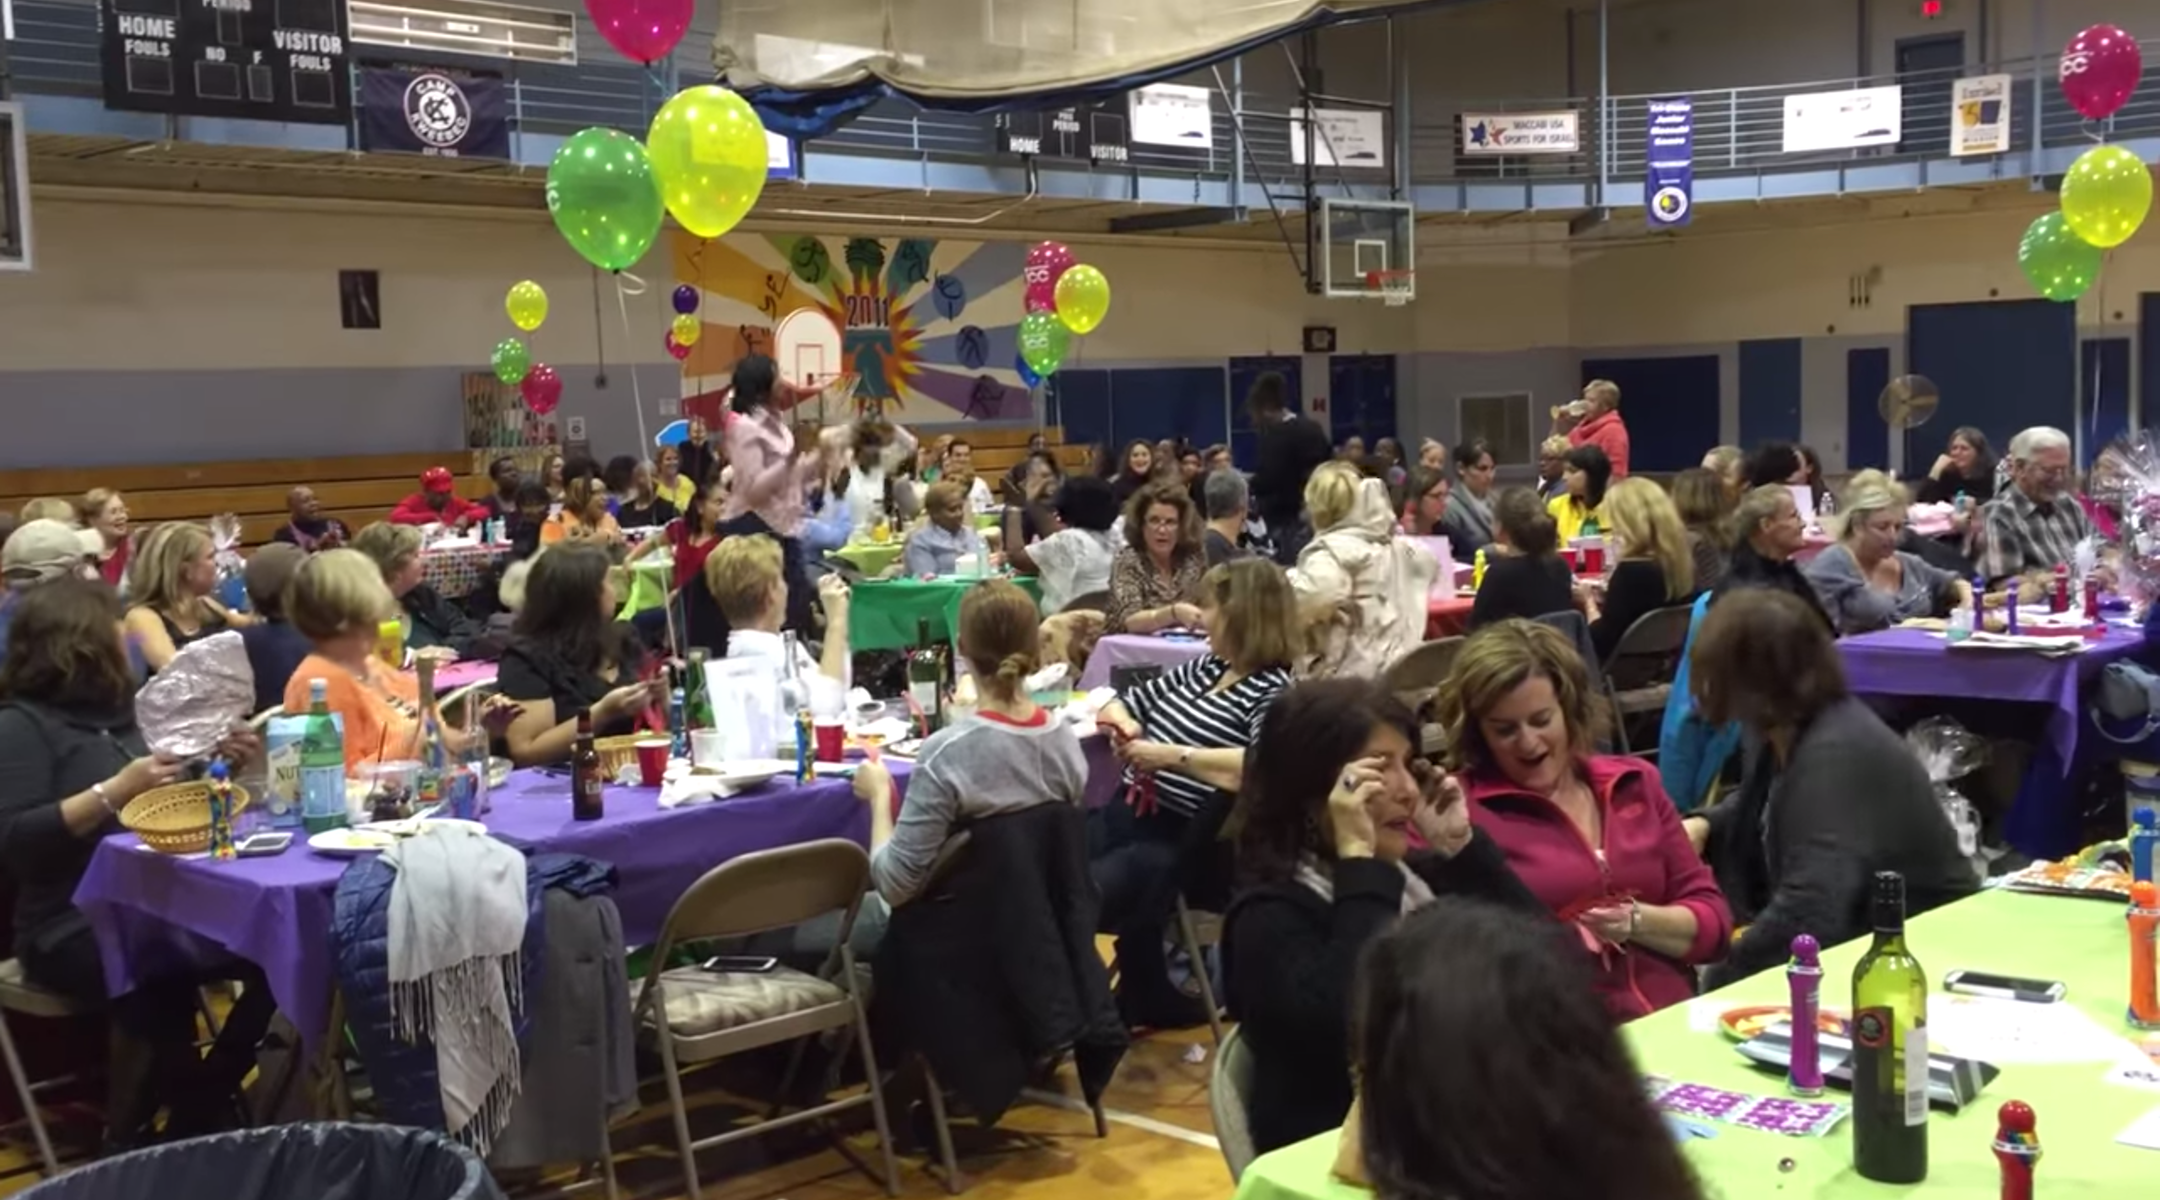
1594,835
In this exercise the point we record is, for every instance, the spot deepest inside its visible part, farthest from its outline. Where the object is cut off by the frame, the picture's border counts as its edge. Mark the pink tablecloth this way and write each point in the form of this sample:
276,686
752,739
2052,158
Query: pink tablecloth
463,674
1137,650
1448,618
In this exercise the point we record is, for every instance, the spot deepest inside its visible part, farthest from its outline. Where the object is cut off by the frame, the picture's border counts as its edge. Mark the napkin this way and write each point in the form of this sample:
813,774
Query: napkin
679,790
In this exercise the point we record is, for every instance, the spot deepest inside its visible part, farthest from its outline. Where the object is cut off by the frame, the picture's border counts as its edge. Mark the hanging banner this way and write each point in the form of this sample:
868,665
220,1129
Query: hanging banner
1490,134
1669,177
1342,137
1173,114
1846,120
1980,115
435,111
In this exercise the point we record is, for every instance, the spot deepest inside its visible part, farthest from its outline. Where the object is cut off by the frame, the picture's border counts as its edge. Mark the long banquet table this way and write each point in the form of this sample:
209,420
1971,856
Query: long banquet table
154,912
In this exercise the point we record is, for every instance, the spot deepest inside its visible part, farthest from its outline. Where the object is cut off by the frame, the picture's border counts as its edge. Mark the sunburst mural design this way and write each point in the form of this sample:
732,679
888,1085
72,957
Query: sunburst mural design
931,327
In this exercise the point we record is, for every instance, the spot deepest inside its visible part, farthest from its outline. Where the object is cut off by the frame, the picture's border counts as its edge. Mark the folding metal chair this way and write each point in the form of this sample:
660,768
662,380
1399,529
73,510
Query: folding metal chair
1639,674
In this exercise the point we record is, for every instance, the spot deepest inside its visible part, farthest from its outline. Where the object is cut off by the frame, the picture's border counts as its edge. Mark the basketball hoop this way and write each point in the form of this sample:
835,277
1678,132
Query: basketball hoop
1395,288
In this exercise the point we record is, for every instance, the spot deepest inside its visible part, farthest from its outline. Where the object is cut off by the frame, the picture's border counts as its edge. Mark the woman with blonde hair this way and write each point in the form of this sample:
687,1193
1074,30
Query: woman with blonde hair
338,600
1594,835
1705,505
173,582
1364,587
1656,567
104,510
1866,582
1729,465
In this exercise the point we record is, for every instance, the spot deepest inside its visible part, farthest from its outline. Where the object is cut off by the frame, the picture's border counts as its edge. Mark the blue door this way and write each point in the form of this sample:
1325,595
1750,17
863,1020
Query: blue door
1361,397
2104,386
1243,373
2002,366
1867,437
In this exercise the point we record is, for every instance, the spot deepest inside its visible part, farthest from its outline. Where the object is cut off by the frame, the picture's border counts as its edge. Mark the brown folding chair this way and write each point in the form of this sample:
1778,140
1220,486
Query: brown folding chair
697,1016
19,995
1639,674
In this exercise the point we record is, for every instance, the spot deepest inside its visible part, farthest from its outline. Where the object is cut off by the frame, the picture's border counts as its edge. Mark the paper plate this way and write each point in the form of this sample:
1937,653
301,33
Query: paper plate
1740,1024
375,837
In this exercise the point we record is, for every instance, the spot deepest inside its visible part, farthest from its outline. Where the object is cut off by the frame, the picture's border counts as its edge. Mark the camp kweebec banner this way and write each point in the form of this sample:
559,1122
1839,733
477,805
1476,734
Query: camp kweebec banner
434,110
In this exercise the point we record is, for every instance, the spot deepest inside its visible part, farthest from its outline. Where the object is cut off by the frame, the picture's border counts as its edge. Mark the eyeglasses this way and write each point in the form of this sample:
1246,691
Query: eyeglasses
1163,522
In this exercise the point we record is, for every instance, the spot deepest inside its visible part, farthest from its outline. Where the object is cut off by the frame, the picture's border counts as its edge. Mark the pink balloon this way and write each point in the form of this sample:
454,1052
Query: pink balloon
542,389
676,350
2100,68
646,31
1045,262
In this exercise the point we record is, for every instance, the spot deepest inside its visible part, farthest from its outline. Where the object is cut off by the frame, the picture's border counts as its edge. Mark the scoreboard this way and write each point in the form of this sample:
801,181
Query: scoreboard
268,60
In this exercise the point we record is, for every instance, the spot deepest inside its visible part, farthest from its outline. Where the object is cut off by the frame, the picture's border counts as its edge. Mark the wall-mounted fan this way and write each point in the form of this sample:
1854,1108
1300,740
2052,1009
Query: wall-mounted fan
1908,401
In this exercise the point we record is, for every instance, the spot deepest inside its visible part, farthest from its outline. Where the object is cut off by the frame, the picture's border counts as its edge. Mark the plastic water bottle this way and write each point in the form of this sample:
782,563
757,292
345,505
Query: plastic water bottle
2144,840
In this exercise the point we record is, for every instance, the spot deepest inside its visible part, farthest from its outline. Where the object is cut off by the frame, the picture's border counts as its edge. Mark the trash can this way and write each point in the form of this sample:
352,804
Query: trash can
322,1161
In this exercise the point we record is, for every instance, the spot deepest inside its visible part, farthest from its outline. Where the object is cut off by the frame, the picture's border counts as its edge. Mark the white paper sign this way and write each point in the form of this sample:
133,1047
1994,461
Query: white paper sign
1487,135
1818,121
1342,137
746,705
1172,114
1980,115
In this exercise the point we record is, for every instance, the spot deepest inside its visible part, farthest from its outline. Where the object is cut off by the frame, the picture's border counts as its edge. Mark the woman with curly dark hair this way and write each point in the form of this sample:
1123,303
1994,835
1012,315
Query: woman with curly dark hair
1154,577
1334,793
1486,1068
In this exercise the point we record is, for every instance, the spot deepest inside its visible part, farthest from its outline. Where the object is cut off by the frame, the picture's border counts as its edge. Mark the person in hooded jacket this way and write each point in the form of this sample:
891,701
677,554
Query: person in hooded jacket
1365,588
1594,835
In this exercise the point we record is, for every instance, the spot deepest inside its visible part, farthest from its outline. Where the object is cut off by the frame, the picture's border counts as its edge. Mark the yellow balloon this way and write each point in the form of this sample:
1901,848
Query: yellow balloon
526,304
1083,298
2106,195
687,329
708,155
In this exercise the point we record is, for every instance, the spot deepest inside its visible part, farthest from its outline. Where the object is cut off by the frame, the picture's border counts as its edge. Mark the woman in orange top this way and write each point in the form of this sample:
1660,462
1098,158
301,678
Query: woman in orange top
584,516
338,599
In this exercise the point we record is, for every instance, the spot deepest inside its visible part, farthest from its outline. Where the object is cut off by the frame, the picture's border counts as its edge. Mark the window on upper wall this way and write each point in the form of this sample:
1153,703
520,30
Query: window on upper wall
1504,422
476,27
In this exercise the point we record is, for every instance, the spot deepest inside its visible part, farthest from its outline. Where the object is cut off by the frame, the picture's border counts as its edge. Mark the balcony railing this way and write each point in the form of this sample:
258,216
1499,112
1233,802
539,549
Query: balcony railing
1737,131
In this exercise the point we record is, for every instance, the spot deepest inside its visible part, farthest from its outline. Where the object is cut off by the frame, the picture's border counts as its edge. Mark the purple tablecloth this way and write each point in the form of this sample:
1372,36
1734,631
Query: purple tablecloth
1137,650
153,912
1916,662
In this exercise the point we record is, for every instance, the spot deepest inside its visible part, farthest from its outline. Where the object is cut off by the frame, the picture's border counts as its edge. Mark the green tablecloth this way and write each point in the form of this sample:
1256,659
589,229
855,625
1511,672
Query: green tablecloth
883,613
871,558
2080,942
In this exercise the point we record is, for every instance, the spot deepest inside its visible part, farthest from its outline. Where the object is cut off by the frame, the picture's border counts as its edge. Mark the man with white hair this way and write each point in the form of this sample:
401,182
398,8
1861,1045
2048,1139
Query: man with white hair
2035,524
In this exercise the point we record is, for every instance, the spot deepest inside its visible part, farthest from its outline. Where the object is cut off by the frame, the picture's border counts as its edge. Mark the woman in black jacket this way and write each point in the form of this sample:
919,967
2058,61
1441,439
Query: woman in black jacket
431,619
1828,795
72,758
1333,791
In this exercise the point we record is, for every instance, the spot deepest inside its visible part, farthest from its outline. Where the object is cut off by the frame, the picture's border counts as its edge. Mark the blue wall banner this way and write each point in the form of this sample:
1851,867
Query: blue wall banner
1669,181
435,111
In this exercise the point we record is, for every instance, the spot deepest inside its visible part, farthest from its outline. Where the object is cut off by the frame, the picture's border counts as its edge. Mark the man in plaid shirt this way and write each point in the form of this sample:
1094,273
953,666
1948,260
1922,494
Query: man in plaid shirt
2035,524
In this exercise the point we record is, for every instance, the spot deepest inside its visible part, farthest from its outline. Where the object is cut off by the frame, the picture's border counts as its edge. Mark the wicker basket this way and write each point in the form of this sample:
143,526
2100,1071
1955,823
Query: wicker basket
618,755
175,819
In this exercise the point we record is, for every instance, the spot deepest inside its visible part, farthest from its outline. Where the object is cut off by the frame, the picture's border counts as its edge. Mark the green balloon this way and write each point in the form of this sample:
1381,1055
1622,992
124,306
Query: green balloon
1043,342
601,193
512,360
2060,264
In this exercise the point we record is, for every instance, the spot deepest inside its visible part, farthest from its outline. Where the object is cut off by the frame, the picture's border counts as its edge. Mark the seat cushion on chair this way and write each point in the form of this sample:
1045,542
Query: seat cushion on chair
18,994
701,1002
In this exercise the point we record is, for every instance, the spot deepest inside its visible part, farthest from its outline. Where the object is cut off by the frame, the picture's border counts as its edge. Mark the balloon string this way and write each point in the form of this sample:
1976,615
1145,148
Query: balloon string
623,293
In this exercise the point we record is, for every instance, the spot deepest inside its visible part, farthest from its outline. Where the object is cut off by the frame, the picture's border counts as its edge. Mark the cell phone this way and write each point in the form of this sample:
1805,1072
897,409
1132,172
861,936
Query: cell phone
263,845
2004,987
739,962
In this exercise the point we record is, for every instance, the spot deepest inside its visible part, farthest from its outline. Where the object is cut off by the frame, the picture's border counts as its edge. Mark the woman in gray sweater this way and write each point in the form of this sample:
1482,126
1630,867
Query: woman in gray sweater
1865,581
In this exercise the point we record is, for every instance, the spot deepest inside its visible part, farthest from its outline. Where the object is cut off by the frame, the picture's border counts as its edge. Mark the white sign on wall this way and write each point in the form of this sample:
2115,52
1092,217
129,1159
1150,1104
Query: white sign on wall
1980,115
1172,114
1487,135
1342,137
1844,120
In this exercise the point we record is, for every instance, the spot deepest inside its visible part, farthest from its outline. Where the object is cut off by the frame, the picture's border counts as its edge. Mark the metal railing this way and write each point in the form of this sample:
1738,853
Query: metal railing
1736,130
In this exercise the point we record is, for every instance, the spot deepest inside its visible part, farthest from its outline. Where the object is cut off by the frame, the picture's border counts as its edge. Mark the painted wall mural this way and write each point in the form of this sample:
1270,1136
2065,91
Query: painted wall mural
930,326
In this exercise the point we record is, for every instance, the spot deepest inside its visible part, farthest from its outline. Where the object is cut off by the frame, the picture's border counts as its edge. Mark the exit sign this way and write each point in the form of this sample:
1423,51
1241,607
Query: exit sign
1931,8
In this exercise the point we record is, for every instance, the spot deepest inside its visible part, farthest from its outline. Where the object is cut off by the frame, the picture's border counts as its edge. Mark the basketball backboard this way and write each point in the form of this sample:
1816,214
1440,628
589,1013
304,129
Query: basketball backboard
1362,244
807,348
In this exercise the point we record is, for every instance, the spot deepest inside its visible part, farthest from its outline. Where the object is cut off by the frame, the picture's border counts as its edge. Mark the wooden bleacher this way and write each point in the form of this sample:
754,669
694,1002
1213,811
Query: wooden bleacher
357,489
996,450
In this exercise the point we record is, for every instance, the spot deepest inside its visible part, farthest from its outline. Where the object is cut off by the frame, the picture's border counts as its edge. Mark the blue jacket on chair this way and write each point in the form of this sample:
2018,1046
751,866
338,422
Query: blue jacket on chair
1691,751
404,1075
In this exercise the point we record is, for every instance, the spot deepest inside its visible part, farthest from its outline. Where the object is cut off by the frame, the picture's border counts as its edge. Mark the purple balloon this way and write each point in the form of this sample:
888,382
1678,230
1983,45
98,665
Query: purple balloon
686,299
645,31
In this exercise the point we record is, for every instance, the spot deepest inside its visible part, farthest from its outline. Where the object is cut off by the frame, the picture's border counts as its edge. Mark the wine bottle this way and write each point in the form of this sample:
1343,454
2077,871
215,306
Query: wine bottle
1890,1057
429,747
925,675
588,790
322,764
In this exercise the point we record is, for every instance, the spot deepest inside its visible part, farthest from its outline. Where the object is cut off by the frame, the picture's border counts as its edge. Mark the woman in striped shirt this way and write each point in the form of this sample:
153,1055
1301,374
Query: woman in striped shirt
1183,737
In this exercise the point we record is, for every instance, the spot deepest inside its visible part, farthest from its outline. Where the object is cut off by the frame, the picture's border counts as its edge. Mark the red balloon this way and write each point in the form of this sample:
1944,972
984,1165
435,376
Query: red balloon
1045,262
2099,70
676,350
646,31
542,389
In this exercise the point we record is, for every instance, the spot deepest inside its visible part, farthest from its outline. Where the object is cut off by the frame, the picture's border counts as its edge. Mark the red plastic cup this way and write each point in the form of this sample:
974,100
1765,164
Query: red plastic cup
831,741
652,756
1594,559
1575,560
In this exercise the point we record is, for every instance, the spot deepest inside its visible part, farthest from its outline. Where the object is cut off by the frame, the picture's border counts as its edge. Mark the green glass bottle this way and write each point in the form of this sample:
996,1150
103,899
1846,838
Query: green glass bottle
1890,1056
